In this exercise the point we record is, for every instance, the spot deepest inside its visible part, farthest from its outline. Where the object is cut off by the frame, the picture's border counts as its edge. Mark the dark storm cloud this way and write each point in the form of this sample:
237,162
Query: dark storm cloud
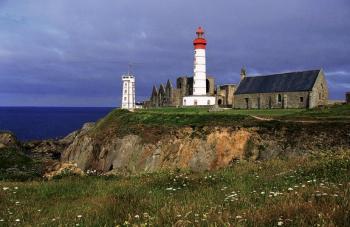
74,52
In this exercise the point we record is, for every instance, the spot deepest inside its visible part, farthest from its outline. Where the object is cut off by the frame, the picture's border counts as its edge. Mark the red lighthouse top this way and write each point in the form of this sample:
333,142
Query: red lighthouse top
199,42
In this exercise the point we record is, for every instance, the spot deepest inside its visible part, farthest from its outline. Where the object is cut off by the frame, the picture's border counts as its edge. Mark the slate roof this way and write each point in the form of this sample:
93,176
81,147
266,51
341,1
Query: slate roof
285,82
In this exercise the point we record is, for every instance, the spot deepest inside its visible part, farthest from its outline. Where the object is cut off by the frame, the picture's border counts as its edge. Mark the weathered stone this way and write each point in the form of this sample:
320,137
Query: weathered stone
8,139
188,148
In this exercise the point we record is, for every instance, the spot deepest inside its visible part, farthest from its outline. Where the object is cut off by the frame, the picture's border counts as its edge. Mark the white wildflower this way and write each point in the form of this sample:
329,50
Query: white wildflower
79,216
280,223
290,189
5,188
238,217
263,193
16,188
137,216
17,220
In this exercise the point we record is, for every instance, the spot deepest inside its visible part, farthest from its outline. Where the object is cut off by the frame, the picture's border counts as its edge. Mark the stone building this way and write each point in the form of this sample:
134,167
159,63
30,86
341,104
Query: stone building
305,89
225,95
169,96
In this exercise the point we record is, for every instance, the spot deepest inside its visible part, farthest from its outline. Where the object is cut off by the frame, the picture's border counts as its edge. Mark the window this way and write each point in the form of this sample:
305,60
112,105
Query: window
126,91
247,103
125,84
301,99
208,102
124,98
195,102
279,98
184,102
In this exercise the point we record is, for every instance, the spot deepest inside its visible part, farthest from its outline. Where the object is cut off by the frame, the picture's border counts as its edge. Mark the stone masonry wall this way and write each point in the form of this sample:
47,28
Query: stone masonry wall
319,94
271,100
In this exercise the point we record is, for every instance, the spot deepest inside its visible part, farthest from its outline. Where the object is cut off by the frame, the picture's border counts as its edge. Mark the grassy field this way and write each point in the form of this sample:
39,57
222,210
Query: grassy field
308,190
201,116
227,111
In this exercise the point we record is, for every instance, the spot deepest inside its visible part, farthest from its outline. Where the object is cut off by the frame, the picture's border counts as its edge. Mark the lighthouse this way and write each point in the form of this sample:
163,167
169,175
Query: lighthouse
199,97
128,96
200,74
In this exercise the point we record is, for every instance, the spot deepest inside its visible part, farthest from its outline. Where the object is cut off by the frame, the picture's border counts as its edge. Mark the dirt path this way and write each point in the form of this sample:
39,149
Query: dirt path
298,121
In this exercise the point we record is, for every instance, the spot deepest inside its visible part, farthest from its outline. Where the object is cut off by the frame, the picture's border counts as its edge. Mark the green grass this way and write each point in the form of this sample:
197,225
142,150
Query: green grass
204,111
16,165
150,124
246,194
333,112
329,111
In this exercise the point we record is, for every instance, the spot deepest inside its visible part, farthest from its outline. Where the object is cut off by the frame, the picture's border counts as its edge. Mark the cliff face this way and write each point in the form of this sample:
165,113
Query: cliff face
201,148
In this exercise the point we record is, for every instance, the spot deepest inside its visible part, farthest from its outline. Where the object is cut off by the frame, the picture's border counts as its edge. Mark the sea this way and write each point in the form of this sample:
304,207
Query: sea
38,123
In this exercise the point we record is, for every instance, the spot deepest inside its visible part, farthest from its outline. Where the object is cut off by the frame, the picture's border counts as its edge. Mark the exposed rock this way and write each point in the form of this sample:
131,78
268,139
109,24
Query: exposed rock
198,149
8,139
52,149
63,169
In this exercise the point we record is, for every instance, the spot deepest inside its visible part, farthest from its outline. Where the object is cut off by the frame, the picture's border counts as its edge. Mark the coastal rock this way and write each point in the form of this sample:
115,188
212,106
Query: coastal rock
130,154
52,149
8,139
63,169
197,149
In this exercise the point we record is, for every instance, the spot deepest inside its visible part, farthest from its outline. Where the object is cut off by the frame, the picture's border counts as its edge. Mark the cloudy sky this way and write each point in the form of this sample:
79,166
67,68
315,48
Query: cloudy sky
73,53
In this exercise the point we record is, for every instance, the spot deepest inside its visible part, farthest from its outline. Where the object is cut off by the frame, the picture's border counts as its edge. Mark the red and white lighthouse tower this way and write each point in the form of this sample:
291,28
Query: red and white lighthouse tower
200,74
199,97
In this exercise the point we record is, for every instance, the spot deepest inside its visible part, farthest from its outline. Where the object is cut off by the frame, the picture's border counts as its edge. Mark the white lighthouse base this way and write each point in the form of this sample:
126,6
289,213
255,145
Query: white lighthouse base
198,100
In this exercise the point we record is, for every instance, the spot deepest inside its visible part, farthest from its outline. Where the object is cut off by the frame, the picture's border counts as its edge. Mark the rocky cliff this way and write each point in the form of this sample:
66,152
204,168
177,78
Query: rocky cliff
200,148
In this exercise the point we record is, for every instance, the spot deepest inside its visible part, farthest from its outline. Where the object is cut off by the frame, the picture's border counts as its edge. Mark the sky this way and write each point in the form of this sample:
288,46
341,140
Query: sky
73,53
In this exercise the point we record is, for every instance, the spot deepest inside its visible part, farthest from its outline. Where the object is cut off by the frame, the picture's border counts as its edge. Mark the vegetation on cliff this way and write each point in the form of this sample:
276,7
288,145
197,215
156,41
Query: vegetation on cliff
15,165
151,123
299,191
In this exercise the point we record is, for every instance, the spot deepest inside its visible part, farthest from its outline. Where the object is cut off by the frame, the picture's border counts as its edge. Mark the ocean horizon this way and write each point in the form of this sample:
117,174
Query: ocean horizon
47,122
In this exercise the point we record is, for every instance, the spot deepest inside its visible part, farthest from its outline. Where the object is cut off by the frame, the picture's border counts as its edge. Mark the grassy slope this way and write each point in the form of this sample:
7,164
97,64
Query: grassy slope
16,165
299,191
151,123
